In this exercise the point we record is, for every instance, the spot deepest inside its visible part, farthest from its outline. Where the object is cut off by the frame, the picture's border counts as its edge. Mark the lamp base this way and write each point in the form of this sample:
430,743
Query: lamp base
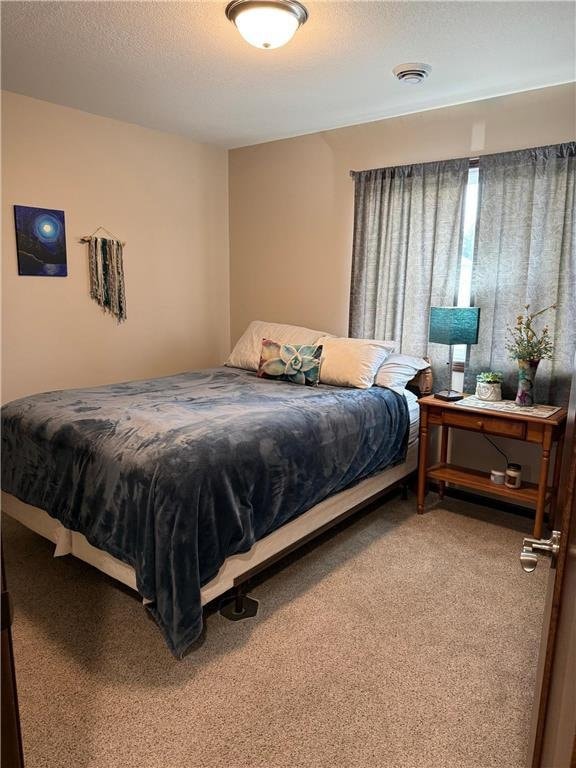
450,395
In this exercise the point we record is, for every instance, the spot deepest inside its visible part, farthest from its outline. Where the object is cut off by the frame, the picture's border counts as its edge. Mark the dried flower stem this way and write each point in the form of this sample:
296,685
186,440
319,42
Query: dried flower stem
525,342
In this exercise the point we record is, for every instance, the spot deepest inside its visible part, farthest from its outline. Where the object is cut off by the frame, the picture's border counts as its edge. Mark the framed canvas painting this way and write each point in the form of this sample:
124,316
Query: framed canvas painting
40,241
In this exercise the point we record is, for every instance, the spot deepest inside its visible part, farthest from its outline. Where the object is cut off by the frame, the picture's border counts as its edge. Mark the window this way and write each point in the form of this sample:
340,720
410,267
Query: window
467,252
524,214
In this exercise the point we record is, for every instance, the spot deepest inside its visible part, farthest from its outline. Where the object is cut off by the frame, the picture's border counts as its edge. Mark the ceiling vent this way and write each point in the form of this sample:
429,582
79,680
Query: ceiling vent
412,73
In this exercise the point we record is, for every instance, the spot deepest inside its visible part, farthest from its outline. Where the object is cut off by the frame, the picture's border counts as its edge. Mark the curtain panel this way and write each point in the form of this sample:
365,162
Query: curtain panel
525,253
406,253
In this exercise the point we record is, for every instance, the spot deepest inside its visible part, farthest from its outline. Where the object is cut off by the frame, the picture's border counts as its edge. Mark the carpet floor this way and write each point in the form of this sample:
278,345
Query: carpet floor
403,641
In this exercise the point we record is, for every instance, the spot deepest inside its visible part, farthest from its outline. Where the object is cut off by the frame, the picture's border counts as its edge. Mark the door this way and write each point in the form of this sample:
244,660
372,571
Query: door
11,743
553,737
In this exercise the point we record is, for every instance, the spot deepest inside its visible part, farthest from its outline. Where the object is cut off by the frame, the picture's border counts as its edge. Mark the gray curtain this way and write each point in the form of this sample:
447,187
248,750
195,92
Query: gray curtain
406,253
526,254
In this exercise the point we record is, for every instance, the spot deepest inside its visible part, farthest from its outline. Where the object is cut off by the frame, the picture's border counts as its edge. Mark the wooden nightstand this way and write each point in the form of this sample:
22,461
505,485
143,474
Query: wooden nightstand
544,432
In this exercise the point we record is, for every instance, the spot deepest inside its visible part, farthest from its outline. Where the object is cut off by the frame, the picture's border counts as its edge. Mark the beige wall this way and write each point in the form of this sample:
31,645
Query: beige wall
167,197
291,201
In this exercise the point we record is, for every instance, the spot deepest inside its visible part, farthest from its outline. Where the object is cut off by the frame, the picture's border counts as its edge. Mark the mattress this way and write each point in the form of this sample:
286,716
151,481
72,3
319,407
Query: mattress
172,476
413,415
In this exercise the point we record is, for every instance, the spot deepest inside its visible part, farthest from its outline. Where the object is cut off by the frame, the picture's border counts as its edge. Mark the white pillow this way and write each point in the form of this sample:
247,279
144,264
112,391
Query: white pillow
352,362
398,370
246,353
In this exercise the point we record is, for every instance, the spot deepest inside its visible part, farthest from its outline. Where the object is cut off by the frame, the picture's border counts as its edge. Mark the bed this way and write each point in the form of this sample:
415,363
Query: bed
183,487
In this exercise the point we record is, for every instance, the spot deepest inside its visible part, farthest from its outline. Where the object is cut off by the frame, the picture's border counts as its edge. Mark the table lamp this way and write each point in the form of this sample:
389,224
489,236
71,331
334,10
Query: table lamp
453,325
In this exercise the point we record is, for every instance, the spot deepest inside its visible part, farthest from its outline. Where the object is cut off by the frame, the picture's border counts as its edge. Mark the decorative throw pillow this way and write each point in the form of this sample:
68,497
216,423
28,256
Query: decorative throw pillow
246,353
353,362
299,363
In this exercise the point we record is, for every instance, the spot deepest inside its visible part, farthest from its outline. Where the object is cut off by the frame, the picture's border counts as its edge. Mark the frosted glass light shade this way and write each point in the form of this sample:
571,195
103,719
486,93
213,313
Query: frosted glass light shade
266,27
267,24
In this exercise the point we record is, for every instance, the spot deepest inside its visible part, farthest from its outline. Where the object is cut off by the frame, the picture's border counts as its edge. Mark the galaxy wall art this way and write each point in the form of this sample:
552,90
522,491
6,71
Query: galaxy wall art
40,241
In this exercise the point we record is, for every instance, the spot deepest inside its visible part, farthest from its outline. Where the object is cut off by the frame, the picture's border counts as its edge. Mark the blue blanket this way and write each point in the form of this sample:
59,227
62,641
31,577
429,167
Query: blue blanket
173,475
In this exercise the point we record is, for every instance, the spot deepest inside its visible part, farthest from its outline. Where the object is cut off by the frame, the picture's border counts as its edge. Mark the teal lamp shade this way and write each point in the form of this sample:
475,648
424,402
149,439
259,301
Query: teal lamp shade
454,325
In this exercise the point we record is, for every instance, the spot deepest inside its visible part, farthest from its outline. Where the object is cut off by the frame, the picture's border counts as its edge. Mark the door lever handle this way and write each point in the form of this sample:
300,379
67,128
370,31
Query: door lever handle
531,547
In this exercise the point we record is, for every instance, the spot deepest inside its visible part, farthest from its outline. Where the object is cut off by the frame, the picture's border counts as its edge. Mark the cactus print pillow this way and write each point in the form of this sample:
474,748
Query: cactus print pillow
298,363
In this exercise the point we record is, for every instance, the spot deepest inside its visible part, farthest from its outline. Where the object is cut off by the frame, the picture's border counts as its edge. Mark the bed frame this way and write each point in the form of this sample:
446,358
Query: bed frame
231,581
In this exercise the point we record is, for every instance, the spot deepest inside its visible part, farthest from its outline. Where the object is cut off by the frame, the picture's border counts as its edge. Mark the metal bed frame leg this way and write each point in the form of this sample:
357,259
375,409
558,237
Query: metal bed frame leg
240,607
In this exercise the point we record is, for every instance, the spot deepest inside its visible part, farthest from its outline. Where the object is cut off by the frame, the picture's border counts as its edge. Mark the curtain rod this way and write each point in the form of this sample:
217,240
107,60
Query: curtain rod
564,149
474,161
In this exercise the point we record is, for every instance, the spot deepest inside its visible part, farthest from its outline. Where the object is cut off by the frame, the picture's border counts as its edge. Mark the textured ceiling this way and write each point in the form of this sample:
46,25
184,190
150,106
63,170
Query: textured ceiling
183,67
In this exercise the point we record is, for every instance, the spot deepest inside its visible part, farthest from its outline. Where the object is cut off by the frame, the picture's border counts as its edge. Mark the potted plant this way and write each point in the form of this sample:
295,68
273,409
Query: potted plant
489,386
528,347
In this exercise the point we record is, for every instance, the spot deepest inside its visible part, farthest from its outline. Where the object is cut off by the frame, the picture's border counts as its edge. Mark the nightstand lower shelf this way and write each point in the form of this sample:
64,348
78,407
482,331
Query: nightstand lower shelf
480,481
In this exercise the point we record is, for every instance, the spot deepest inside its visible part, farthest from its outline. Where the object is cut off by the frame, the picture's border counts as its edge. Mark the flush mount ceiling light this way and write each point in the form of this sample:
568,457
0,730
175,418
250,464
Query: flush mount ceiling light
413,73
267,23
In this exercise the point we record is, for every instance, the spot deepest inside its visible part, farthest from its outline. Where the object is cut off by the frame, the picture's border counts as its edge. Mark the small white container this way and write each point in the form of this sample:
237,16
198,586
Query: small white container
513,476
497,477
490,391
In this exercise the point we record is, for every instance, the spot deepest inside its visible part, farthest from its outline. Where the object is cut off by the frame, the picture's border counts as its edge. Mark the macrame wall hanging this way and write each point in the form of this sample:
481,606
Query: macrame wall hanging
107,273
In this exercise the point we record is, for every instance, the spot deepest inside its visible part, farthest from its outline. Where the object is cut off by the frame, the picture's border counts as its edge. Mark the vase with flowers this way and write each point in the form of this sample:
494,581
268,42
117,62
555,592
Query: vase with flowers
528,346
